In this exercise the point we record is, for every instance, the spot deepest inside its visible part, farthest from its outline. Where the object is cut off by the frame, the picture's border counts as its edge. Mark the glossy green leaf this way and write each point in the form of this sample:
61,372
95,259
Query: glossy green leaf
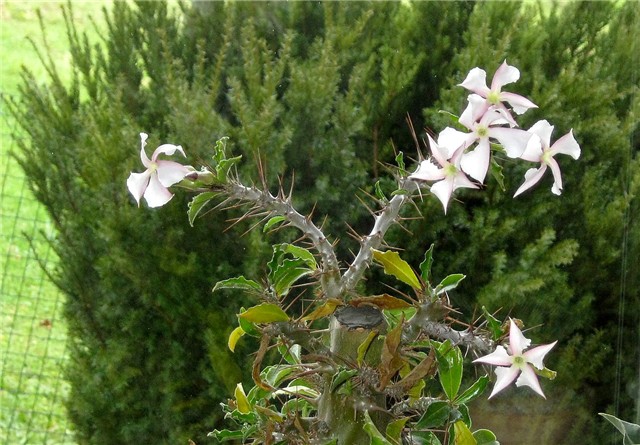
242,402
496,173
425,266
239,283
462,435
394,430
474,390
235,335
449,368
485,437
341,377
449,283
300,253
264,313
424,438
325,309
287,274
400,162
223,167
379,193
197,204
226,435
272,222
435,416
376,436
493,324
396,266
247,326
364,346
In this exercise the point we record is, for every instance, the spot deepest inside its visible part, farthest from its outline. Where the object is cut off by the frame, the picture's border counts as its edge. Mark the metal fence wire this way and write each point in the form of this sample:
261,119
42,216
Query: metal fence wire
32,331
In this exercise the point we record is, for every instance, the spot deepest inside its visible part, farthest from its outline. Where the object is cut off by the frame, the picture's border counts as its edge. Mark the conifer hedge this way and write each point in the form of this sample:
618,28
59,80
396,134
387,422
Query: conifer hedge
323,90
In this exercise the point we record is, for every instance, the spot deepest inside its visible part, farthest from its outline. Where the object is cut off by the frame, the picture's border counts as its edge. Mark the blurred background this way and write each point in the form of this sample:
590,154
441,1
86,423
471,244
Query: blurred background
109,331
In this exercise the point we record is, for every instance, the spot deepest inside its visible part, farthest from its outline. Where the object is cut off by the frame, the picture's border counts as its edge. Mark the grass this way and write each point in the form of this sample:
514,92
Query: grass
32,331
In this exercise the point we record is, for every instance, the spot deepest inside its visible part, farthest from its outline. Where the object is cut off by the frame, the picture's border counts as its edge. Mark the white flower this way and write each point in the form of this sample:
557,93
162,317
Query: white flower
153,182
518,363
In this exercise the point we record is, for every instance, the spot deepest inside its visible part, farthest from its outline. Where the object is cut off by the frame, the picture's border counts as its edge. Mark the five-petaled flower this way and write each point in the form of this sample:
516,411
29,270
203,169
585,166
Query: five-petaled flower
519,362
476,81
449,175
153,182
538,150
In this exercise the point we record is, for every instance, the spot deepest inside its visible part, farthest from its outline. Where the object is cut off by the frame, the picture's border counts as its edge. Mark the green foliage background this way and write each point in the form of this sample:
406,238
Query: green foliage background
323,90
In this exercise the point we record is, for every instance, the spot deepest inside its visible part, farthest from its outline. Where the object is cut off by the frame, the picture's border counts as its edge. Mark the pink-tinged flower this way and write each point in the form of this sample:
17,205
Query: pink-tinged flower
448,175
476,82
153,182
476,162
516,362
538,150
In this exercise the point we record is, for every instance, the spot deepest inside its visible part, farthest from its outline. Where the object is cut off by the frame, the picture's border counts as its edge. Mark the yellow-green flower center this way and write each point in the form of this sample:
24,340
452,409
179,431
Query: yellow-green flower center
519,361
450,170
493,97
546,156
482,131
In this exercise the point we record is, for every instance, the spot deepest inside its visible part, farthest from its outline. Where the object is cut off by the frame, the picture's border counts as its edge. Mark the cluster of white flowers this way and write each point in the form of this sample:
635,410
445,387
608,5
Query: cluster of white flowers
463,157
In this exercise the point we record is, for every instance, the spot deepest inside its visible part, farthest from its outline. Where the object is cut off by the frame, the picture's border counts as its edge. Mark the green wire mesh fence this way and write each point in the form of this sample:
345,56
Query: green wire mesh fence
32,331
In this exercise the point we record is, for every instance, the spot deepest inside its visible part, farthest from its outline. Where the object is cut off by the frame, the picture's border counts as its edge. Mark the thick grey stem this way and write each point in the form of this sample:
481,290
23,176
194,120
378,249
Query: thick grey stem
383,222
330,277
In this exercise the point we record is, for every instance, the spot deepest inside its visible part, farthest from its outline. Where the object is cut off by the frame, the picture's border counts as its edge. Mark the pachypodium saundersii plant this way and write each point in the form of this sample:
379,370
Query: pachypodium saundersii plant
356,368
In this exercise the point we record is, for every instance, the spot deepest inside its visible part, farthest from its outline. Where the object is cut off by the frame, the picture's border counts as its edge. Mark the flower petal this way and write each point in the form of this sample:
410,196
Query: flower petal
513,140
460,180
499,357
519,103
543,129
531,178
143,155
451,139
536,355
529,378
167,149
476,81
476,162
137,184
533,152
156,194
567,145
443,190
504,74
170,172
556,189
427,171
505,377
478,105
517,341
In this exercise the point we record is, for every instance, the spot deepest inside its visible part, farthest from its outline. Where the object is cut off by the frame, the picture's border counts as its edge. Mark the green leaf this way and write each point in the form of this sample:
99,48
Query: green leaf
242,402
325,309
462,434
379,193
226,435
396,266
394,430
272,222
300,253
496,173
364,346
494,325
197,204
264,313
449,368
235,335
473,391
341,377
424,438
435,416
450,282
425,266
485,437
240,283
630,431
400,162
376,436
287,274
247,326
223,167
